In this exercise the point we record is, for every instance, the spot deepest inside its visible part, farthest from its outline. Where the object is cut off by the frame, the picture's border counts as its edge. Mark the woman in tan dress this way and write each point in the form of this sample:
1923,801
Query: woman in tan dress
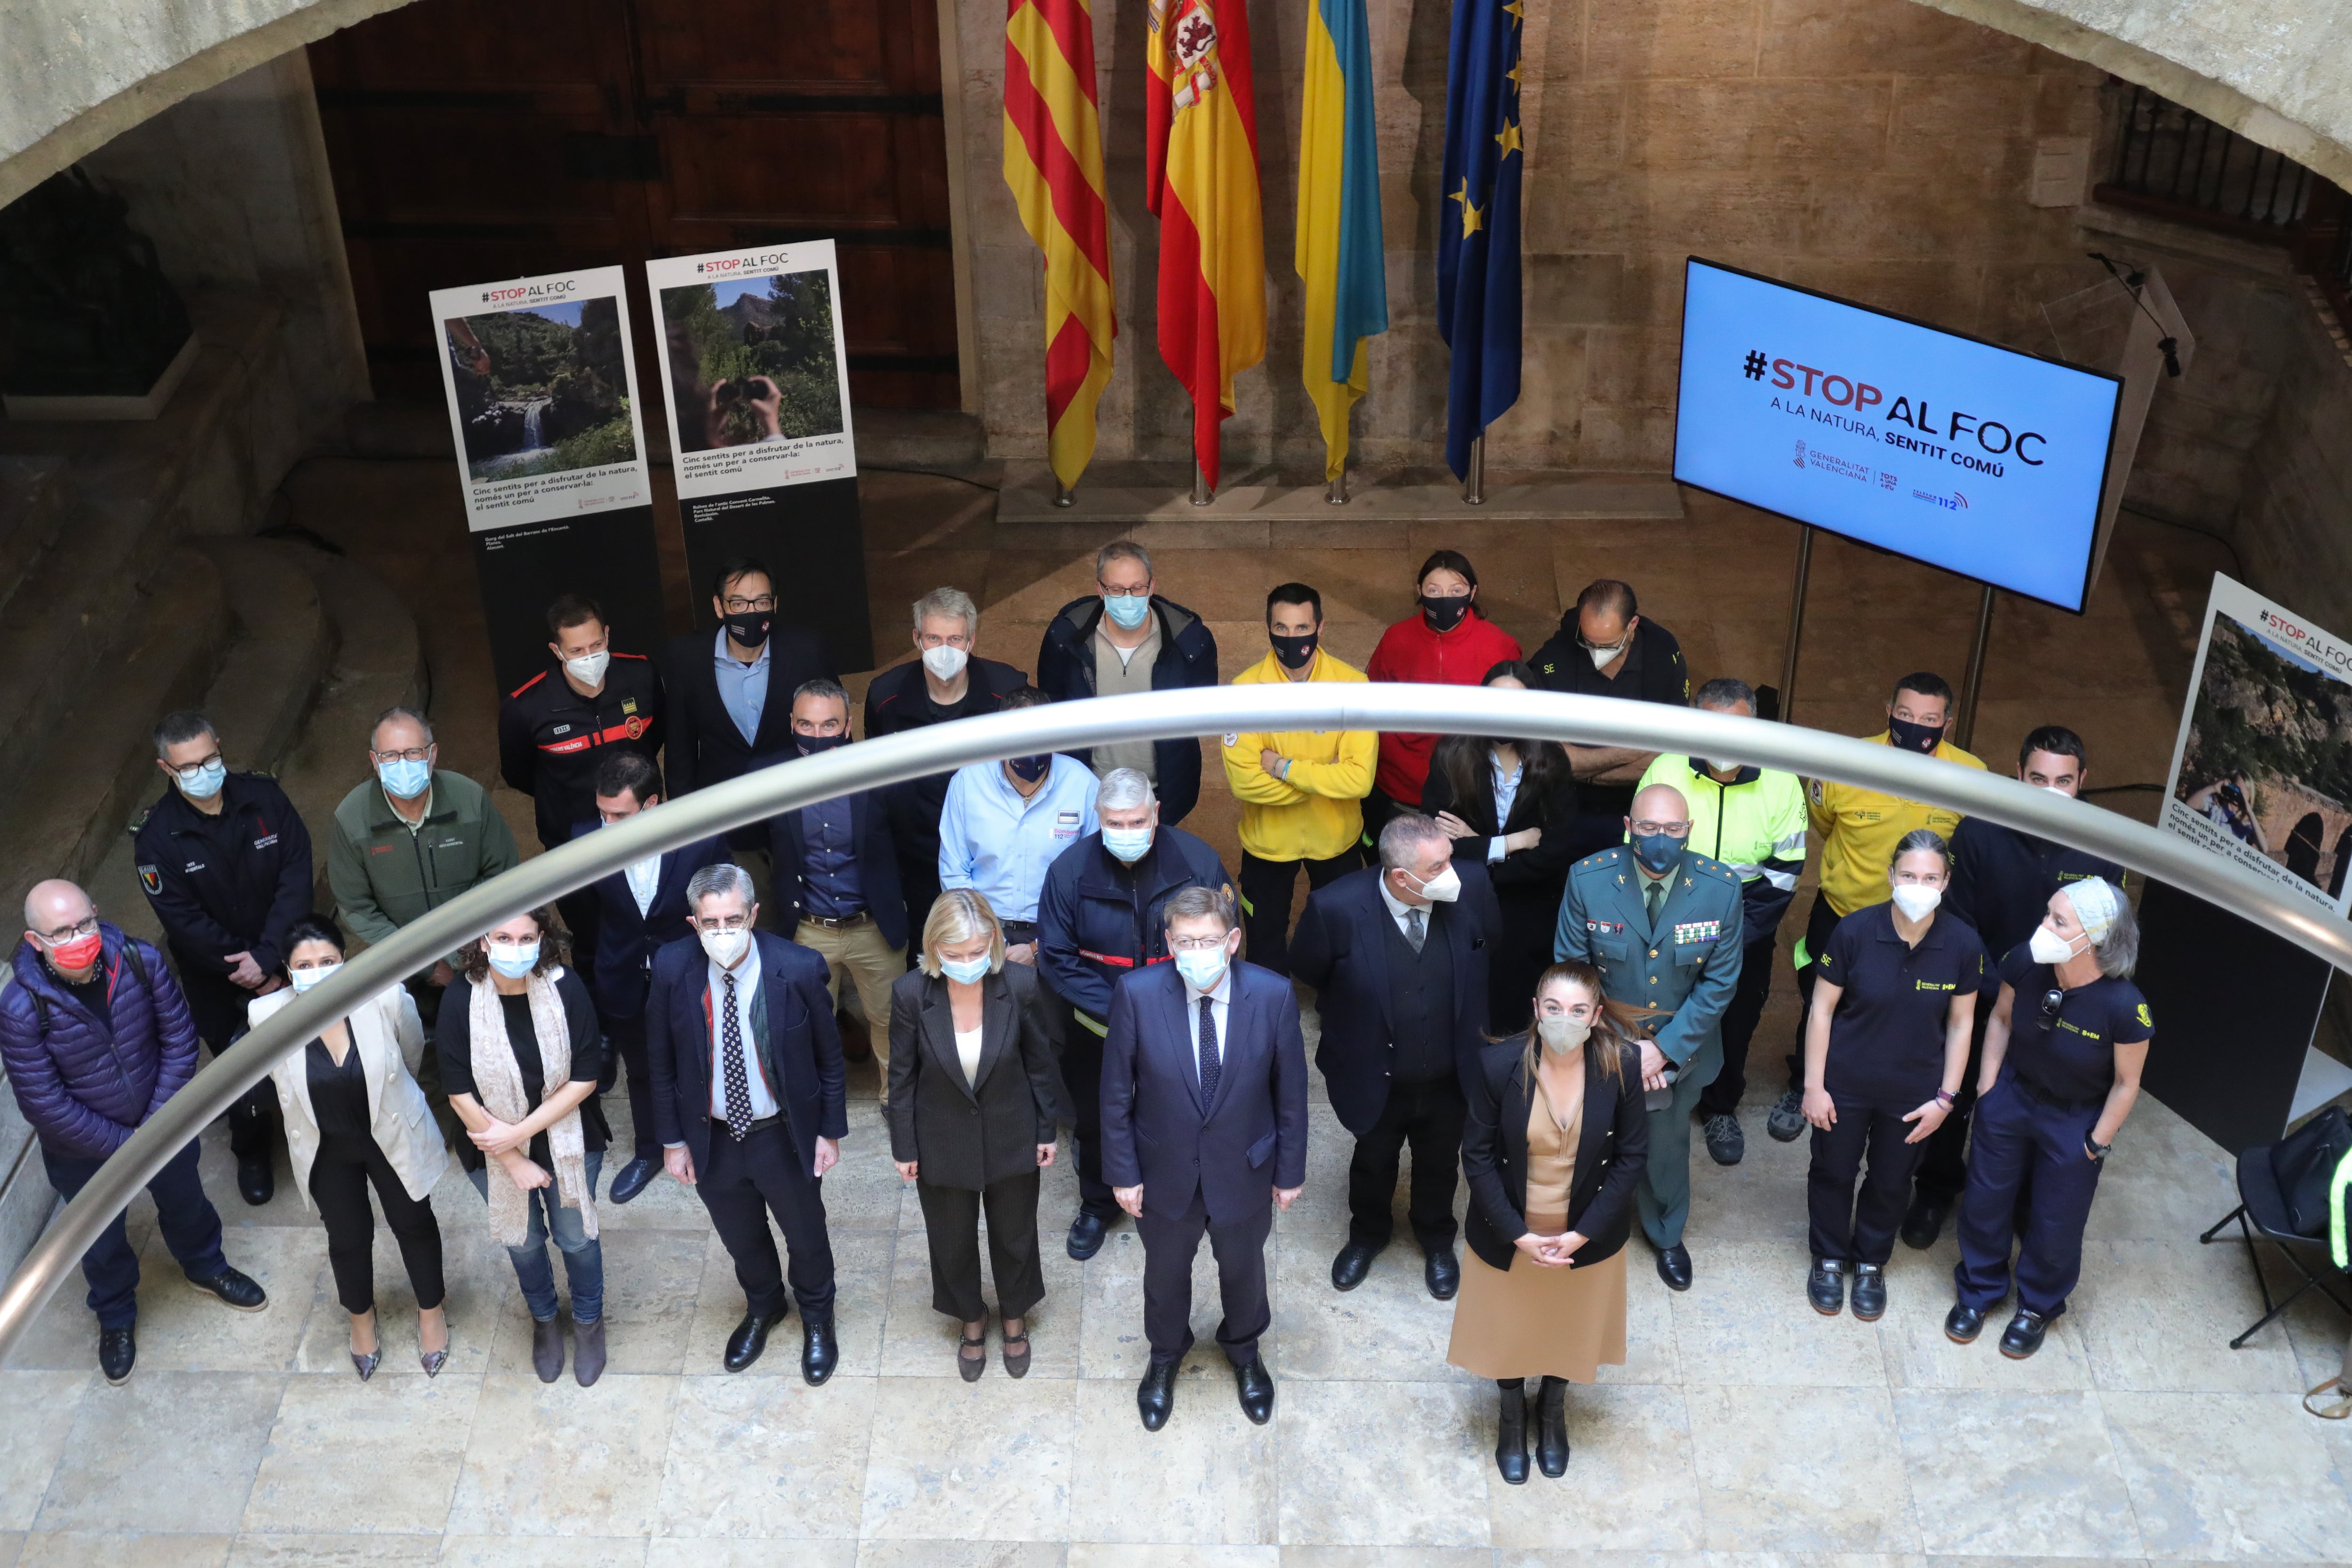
1554,1147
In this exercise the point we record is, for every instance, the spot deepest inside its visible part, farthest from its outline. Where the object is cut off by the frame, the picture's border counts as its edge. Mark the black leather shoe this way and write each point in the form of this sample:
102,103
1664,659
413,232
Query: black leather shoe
1825,1286
1355,1261
1155,1396
1922,1223
118,1350
750,1338
1870,1292
234,1289
1511,1436
1551,1428
2023,1336
1255,1386
1443,1273
632,1179
1963,1323
1086,1233
255,1181
1675,1267
820,1352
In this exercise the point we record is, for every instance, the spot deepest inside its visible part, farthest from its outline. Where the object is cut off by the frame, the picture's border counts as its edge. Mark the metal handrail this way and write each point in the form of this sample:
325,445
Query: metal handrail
1313,705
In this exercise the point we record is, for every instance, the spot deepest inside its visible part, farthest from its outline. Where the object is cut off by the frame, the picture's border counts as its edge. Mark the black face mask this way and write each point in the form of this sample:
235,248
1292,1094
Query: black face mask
810,745
751,629
1444,615
1921,737
1294,653
1031,768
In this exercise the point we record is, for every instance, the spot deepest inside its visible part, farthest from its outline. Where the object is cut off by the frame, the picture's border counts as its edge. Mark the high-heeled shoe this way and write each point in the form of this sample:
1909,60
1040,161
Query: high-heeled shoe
366,1364
433,1361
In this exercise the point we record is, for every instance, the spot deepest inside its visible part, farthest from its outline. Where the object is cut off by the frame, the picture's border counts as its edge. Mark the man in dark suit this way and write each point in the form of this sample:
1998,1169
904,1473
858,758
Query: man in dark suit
642,910
1397,954
721,723
1205,1128
749,1104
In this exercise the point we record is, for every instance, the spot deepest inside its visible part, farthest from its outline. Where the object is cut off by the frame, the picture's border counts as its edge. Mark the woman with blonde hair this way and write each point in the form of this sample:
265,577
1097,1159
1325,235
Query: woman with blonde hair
1554,1146
972,1118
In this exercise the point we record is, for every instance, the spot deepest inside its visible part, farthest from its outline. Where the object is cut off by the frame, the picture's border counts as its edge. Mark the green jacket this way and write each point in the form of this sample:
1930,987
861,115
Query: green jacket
384,875
1687,964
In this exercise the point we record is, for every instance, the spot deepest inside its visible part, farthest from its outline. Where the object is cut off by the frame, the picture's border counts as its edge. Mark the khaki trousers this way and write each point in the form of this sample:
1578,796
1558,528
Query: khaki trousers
859,952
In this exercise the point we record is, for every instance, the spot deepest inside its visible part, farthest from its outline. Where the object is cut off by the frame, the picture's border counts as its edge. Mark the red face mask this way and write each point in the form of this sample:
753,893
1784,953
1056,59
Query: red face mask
79,954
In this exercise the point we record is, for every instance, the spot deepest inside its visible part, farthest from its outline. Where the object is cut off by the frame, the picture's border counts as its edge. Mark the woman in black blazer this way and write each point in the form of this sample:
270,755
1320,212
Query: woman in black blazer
1526,849
972,1118
1554,1146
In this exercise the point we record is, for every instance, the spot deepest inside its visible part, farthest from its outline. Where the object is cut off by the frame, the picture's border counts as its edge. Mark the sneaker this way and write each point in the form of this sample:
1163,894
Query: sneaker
232,1288
1787,1119
1725,1142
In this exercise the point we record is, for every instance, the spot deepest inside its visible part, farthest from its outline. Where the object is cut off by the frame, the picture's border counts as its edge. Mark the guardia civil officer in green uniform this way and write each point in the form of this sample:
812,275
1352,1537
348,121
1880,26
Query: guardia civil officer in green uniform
1661,924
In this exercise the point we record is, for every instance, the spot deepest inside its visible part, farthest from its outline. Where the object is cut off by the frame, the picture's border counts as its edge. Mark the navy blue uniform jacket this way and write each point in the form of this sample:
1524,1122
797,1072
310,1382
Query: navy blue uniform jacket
627,941
798,1047
1234,1152
1089,916
209,909
877,865
1188,656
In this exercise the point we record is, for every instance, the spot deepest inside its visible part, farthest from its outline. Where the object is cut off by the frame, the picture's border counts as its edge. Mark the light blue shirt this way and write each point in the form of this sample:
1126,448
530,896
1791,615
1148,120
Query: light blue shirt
742,689
998,844
747,985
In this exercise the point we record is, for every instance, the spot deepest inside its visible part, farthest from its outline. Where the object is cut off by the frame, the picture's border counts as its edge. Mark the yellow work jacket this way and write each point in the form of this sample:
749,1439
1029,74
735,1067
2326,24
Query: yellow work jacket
1316,812
1859,828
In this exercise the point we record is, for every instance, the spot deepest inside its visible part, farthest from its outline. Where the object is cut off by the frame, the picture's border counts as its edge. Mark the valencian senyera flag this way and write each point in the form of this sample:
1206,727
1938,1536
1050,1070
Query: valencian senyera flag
1053,161
1338,249
1478,233
1201,162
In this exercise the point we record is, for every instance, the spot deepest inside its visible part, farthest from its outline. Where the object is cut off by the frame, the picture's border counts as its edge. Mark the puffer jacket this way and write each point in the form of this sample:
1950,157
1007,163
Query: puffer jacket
84,1083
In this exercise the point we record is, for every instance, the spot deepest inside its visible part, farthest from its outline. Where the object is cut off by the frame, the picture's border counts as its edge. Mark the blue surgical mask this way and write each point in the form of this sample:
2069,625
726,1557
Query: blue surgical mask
1660,851
1201,971
514,960
964,970
303,979
207,782
1129,843
1127,610
404,779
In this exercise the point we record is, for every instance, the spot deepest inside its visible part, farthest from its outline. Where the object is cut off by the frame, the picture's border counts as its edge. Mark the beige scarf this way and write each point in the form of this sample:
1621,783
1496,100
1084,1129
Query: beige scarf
497,1084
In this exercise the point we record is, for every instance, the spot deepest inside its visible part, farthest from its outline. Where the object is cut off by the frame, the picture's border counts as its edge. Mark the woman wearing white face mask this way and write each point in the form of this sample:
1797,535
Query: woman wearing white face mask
521,1054
1886,1044
355,1118
972,1118
1554,1148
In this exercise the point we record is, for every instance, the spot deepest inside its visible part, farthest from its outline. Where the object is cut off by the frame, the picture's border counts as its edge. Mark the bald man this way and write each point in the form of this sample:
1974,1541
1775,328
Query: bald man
1661,924
95,1036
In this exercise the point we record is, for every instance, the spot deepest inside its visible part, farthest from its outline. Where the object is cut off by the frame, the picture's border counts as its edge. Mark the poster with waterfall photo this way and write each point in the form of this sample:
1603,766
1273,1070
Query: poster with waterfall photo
541,380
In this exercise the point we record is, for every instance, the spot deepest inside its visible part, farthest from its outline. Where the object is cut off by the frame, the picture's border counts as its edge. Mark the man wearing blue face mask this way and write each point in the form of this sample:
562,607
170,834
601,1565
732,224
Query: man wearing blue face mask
1004,823
1098,921
225,863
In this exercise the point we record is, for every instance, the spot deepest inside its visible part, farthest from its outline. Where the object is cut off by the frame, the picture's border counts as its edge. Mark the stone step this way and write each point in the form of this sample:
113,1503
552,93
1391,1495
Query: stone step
33,511
284,643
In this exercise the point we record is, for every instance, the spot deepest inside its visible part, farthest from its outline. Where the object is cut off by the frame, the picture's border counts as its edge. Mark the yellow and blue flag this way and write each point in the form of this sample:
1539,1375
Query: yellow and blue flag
1339,247
1478,237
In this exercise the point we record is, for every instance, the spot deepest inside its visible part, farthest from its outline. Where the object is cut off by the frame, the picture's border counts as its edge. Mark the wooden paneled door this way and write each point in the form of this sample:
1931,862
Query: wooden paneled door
474,140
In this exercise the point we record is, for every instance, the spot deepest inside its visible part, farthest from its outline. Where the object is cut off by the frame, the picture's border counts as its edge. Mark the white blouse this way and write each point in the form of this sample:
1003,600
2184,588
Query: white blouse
968,1054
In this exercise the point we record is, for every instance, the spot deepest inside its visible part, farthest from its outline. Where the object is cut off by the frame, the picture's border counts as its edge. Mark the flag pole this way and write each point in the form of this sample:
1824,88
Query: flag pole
1201,494
1063,494
1336,492
1473,488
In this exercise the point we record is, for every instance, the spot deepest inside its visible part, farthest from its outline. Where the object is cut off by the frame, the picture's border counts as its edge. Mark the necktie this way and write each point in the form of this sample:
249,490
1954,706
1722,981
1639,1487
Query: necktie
731,1067
1414,932
1209,1065
1654,896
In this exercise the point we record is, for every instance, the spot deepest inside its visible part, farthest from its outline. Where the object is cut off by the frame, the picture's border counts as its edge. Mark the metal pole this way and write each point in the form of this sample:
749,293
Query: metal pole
1060,726
1201,494
1336,492
1965,729
1796,623
1473,488
1063,494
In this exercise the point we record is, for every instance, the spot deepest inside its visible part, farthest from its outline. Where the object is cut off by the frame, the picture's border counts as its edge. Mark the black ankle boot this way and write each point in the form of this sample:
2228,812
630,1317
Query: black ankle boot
1511,1434
1551,1428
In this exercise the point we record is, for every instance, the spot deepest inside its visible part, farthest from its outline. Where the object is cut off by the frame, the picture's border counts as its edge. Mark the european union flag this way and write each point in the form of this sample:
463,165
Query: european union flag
1478,235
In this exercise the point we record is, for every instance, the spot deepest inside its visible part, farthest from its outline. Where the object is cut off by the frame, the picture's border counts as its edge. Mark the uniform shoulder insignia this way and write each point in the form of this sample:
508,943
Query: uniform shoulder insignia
139,821
1598,860
1709,865
261,773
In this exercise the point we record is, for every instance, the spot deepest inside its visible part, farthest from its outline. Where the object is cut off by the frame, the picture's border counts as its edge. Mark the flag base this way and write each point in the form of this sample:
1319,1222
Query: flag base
1473,488
1336,492
1203,495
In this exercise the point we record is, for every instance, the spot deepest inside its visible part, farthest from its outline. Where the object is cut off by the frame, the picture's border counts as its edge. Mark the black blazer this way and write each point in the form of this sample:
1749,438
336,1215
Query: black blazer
970,1135
877,866
1609,1153
1341,951
703,747
1545,867
626,941
798,1047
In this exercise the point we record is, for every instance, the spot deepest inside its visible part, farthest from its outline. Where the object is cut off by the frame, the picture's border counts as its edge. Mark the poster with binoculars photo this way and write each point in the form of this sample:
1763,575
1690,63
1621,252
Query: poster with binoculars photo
758,388
542,388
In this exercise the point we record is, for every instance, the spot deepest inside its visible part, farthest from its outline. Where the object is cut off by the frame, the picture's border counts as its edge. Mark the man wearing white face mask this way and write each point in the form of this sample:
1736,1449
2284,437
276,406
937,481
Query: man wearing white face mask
1606,647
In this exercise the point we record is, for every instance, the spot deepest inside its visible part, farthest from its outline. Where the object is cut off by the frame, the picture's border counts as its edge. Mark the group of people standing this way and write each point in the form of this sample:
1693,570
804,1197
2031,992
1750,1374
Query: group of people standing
1536,967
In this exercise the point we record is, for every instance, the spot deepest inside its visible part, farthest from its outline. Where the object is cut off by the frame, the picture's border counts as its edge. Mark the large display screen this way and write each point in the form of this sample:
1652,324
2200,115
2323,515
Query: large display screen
1975,458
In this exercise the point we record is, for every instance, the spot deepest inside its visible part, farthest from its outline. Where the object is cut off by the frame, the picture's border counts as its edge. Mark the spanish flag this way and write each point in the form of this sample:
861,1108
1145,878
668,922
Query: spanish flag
1338,249
1053,161
1201,159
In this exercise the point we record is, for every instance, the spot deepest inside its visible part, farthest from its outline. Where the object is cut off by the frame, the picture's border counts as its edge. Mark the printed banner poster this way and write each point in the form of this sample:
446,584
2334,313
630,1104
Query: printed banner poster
2262,769
751,351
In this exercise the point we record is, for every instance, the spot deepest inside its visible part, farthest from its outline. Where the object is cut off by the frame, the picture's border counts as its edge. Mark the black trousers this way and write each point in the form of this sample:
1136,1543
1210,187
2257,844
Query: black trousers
1378,806
1943,1171
628,1038
919,885
1266,886
951,1226
1847,1228
1169,1242
744,1183
1428,1116
339,1178
1081,1062
1821,921
217,1007
1722,1097
580,918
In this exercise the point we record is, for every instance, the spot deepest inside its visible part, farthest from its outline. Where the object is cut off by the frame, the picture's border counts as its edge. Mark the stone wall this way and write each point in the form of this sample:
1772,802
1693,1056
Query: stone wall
2294,525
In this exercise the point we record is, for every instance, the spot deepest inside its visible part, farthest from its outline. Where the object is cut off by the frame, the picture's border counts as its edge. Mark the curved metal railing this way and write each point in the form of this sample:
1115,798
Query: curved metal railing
1475,710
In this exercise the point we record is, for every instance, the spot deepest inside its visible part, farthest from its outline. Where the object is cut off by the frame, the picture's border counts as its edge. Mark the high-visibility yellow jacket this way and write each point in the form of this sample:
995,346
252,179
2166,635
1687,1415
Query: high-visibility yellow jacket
1859,829
1316,811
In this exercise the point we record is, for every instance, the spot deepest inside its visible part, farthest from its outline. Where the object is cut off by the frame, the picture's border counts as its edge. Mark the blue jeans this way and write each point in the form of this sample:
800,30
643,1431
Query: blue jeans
191,1227
583,1257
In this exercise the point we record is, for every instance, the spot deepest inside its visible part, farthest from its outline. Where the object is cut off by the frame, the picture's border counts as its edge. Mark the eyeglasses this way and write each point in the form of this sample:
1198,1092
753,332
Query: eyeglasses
724,922
64,934
414,755
741,607
1110,593
191,772
1671,829
1196,943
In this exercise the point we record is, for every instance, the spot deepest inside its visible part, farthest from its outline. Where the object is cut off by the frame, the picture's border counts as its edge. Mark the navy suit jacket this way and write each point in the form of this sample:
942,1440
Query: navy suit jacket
798,1047
1234,1152
627,941
1342,950
877,865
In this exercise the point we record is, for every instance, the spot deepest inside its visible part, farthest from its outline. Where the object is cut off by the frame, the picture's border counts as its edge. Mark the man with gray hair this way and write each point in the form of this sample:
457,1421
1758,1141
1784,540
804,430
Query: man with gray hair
946,679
